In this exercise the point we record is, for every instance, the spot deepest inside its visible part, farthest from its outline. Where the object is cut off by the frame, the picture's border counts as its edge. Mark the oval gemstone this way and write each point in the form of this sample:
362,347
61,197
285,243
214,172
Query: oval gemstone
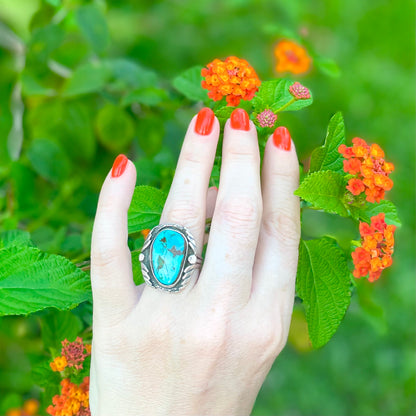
168,254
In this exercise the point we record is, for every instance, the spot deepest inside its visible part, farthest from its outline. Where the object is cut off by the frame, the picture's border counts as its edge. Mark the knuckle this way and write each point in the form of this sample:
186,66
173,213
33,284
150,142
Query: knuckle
284,227
242,215
266,337
187,212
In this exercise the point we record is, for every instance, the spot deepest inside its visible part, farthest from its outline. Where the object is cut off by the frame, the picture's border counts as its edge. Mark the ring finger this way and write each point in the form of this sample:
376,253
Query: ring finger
186,202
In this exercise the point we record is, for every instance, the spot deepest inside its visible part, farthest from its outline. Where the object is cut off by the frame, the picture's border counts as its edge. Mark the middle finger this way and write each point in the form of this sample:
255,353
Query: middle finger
229,259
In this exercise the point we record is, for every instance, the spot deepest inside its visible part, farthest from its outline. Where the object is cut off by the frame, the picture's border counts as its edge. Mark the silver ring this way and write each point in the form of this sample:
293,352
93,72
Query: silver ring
168,257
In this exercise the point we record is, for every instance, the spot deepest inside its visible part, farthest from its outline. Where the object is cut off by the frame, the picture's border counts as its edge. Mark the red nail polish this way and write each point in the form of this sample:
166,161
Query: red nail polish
281,138
204,121
119,166
239,120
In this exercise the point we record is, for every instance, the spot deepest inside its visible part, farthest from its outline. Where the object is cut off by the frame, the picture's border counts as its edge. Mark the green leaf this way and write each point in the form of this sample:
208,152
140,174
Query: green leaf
189,84
31,87
327,156
323,283
146,208
131,74
48,160
370,210
87,78
327,67
137,268
57,326
148,96
31,280
324,190
275,94
150,134
94,27
115,128
44,41
14,238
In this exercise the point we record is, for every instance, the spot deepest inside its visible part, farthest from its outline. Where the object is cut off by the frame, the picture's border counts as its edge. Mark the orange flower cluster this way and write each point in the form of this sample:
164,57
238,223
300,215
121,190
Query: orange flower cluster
369,167
30,408
233,78
73,355
291,57
377,246
73,401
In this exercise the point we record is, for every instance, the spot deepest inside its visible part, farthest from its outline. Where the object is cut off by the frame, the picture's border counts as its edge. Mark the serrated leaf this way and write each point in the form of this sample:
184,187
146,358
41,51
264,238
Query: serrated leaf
94,27
189,84
87,78
324,190
275,94
327,156
322,283
12,238
370,210
146,208
31,280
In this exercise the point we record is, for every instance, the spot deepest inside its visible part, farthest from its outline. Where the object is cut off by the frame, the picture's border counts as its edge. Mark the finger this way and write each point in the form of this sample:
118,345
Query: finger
187,199
114,291
277,252
236,222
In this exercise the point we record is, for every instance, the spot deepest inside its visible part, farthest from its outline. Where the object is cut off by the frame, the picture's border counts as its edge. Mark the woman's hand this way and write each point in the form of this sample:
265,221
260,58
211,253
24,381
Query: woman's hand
207,349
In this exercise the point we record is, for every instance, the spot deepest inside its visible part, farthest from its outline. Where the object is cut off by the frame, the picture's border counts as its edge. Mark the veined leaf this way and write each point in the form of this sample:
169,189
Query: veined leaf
14,238
370,210
31,280
324,190
322,283
189,84
327,156
146,208
275,94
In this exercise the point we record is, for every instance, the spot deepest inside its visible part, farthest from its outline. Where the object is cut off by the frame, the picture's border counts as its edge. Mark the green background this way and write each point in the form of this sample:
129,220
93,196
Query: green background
368,368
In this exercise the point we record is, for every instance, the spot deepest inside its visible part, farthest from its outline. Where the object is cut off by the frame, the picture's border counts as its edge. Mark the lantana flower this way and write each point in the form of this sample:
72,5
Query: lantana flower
267,118
371,172
73,354
291,57
377,246
232,78
73,400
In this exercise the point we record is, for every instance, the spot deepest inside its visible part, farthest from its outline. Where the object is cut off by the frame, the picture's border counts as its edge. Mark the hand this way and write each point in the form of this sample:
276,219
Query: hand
207,349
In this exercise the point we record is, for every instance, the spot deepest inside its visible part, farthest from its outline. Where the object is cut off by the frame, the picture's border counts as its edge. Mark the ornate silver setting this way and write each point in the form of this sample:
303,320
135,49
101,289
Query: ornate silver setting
190,262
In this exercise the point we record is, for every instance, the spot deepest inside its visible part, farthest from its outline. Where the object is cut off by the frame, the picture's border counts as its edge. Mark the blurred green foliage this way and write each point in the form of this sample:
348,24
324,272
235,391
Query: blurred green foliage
83,81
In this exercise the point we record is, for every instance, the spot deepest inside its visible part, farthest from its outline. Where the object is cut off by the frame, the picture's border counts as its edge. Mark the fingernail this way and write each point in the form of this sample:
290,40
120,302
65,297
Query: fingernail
281,138
119,166
204,121
239,120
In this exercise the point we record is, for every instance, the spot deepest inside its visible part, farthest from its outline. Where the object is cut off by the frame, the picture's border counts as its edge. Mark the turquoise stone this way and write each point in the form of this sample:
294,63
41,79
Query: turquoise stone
168,254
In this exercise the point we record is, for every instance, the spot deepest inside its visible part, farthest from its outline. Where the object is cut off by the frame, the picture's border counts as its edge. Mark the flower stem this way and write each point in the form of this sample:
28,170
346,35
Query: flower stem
286,105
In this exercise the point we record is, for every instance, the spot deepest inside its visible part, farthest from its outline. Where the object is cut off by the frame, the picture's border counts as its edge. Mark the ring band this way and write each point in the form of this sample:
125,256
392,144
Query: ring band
168,257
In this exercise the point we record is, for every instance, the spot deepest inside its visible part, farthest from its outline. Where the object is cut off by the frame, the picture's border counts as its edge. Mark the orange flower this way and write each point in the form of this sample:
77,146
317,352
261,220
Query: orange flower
59,363
233,78
291,57
30,408
73,400
377,246
370,170
145,233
